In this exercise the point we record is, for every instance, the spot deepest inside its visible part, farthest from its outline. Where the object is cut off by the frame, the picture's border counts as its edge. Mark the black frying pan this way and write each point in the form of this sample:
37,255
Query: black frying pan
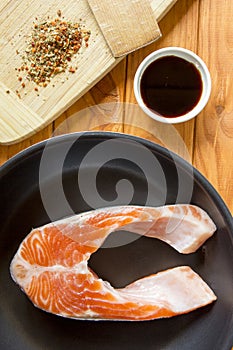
22,326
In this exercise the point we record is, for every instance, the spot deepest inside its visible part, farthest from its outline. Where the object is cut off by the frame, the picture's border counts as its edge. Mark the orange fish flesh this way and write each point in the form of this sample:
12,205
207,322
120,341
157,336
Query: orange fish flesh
51,265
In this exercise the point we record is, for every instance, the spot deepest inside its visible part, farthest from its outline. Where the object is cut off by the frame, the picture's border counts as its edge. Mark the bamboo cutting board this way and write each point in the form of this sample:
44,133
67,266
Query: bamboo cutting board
22,116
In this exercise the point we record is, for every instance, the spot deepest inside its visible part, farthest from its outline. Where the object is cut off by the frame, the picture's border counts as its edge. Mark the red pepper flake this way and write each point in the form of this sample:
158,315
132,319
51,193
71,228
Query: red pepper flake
36,88
20,78
72,70
23,85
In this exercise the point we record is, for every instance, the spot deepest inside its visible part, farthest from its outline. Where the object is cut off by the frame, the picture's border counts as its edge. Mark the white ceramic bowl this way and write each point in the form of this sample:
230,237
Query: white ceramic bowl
188,56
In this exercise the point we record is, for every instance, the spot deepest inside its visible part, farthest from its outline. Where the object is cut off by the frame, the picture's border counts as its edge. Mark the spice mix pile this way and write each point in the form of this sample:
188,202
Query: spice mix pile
50,48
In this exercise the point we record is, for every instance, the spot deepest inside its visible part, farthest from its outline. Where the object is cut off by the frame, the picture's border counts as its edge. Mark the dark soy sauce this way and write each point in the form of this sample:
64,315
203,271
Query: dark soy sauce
171,86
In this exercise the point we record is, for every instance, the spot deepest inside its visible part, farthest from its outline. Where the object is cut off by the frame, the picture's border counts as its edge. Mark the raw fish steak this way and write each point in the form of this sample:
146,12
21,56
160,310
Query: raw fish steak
51,265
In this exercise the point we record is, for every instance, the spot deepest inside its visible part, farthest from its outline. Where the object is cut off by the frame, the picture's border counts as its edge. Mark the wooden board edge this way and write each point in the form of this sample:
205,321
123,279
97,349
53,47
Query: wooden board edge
31,121
11,108
161,10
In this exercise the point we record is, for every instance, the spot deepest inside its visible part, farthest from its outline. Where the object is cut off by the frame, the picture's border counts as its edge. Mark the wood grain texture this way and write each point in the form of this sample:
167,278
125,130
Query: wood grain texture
16,21
179,28
39,109
126,25
162,8
99,109
213,150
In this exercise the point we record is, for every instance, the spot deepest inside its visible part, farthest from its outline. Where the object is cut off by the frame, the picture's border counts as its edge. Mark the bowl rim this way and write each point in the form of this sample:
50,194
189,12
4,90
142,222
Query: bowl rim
187,55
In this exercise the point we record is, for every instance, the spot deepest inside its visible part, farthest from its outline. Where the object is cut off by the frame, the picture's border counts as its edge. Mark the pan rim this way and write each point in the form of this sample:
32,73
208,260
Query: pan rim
29,151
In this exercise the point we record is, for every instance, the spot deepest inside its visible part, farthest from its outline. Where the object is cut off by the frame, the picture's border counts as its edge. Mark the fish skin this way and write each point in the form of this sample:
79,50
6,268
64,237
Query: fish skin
51,265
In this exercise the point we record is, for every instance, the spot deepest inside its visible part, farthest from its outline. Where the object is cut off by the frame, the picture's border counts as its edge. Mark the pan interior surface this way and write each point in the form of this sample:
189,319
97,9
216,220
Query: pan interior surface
22,326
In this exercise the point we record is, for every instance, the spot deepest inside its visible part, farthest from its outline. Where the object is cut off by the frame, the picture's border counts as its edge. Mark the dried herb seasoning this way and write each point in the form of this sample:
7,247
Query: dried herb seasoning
50,48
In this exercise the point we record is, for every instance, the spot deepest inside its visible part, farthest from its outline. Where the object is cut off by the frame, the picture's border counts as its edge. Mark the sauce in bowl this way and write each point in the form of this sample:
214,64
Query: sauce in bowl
171,86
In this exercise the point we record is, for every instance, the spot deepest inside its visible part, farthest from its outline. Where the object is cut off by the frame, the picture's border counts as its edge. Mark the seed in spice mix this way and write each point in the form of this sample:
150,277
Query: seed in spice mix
51,47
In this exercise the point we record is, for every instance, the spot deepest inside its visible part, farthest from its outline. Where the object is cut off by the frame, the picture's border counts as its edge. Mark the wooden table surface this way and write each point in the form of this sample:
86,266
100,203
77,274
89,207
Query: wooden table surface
204,26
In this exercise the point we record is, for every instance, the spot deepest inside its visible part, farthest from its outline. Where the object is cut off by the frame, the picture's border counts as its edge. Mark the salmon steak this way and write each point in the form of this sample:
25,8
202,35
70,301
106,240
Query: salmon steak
51,264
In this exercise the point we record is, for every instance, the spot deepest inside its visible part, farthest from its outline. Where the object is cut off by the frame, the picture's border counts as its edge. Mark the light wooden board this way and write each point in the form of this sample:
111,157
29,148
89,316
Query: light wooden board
126,25
22,117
